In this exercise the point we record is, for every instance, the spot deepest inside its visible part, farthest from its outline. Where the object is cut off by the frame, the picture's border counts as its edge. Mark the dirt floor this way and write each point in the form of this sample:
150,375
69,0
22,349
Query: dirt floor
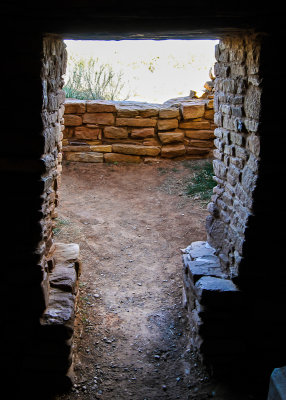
131,222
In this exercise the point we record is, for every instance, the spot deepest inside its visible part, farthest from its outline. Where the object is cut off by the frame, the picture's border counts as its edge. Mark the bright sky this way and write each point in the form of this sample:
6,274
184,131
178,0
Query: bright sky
154,71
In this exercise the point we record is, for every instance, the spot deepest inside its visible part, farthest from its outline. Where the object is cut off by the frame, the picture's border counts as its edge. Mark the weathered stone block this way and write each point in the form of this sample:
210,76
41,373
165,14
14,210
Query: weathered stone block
136,149
127,111
169,113
76,148
113,132
72,120
201,143
191,111
66,252
142,133
116,157
197,151
137,122
199,249
216,292
75,106
171,137
195,125
151,142
64,277
165,124
82,132
99,118
58,319
149,112
171,151
84,157
102,148
209,114
100,106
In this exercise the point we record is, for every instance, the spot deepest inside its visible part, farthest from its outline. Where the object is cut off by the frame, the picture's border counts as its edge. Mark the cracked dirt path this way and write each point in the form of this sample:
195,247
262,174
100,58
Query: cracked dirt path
131,331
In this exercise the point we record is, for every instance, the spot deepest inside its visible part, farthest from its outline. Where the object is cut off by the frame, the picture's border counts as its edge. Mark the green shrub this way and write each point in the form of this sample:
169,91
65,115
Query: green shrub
89,80
202,183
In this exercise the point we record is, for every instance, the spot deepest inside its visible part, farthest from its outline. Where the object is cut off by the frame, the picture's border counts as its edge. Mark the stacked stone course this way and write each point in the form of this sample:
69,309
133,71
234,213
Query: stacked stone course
48,352
216,304
110,131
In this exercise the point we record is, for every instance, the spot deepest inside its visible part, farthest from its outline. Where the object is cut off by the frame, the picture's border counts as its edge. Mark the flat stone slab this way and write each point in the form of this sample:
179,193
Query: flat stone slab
216,292
199,249
204,266
277,385
66,252
64,277
58,318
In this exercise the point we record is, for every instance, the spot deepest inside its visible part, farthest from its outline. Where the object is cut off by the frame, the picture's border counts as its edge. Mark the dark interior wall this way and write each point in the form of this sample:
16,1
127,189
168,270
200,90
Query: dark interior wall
262,273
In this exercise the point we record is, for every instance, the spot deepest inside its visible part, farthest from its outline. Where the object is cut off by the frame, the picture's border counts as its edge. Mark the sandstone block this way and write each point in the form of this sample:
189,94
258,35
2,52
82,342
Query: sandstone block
68,132
77,148
136,122
93,142
100,106
72,120
151,142
75,106
66,252
84,157
116,157
143,133
200,134
58,318
209,114
191,111
165,124
202,143
127,112
113,132
196,151
136,149
99,118
64,277
195,125
166,113
149,112
171,151
102,148
171,137
82,132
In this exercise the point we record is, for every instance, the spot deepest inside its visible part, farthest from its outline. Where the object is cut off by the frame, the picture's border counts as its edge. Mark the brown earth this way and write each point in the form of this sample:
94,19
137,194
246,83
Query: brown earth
131,222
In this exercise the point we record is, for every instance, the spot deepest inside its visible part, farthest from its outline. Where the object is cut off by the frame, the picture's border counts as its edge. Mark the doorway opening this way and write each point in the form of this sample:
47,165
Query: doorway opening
131,222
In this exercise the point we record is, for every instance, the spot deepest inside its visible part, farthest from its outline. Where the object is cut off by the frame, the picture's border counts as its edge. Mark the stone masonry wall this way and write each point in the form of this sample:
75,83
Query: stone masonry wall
109,131
237,111
40,275
217,308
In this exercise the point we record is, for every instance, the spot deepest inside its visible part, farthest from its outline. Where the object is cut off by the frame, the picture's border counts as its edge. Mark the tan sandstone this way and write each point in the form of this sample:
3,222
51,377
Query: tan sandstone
115,157
136,149
99,118
171,151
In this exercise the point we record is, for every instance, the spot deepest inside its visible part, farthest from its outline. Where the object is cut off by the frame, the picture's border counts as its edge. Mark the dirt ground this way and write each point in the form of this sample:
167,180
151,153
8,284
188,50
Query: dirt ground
131,222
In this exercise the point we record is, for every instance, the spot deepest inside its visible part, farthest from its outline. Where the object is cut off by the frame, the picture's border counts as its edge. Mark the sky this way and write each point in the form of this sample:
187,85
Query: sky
153,70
